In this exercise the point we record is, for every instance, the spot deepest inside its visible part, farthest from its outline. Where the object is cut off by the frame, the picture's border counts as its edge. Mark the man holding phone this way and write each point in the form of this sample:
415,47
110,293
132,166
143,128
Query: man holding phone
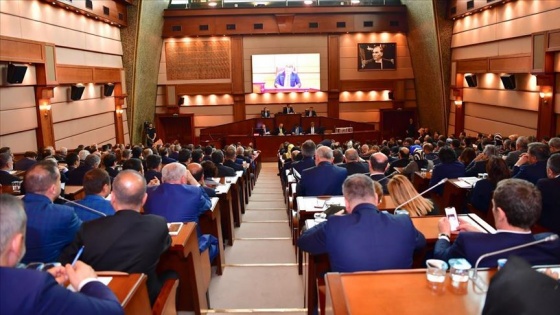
516,207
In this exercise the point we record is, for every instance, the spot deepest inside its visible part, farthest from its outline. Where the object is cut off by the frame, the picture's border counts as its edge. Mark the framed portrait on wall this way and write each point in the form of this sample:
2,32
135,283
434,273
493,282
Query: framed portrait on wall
377,56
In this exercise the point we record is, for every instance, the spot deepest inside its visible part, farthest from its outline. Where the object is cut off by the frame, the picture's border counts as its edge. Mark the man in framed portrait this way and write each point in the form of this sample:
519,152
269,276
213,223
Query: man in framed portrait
377,61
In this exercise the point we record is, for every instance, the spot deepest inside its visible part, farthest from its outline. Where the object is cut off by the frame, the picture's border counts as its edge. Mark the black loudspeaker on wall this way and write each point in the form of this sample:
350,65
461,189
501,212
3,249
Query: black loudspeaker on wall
108,89
76,92
508,81
15,74
471,80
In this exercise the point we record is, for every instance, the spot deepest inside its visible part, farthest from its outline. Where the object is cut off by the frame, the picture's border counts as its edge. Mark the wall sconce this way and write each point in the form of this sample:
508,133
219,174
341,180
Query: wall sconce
458,103
45,108
545,96
119,111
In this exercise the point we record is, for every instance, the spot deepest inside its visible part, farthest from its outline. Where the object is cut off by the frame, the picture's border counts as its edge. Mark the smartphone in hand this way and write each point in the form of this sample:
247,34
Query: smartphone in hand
452,218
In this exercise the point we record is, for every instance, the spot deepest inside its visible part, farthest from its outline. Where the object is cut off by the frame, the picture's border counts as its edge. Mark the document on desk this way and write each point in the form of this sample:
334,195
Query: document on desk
104,280
222,189
466,182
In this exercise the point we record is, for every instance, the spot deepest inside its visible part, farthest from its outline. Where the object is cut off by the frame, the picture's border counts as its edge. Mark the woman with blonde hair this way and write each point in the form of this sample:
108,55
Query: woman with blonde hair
401,190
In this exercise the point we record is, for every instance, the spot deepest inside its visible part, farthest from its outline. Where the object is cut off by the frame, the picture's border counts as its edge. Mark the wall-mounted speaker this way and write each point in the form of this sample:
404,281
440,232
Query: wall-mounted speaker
471,80
76,92
108,89
391,95
15,74
181,101
508,81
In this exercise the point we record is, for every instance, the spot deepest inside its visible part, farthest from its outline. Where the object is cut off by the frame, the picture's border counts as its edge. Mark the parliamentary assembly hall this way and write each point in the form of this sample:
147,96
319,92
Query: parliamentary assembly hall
279,157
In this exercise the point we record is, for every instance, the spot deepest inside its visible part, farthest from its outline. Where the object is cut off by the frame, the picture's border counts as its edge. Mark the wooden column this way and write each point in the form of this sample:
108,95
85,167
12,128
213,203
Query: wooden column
459,107
333,105
546,122
45,133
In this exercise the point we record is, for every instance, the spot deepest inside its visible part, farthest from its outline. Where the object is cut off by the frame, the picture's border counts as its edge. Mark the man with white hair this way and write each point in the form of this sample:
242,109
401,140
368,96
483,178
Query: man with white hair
180,198
323,179
554,145
26,291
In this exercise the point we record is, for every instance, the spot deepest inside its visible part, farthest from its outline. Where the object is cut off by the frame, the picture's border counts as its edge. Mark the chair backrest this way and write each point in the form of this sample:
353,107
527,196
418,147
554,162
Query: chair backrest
165,302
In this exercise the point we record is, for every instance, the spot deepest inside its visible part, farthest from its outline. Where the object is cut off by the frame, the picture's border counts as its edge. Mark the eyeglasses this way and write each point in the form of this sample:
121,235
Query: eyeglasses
39,266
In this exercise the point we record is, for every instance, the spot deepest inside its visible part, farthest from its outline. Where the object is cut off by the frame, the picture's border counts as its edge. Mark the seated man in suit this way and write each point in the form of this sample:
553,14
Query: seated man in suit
404,159
353,164
288,109
26,291
308,152
280,131
127,241
7,165
521,146
76,176
218,159
263,130
323,179
180,198
310,112
265,113
297,130
197,172
29,158
365,239
516,207
478,165
50,226
313,130
549,188
532,165
110,162
378,164
449,167
230,159
165,159
153,168
97,186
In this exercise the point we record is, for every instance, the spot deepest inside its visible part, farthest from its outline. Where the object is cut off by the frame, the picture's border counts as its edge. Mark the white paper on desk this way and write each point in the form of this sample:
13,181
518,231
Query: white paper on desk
469,180
221,189
463,184
104,280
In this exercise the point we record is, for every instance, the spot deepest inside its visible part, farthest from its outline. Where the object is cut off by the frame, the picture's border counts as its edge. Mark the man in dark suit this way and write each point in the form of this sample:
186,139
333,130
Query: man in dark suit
265,113
323,179
263,130
76,176
532,166
378,163
127,241
180,198
29,158
26,291
153,168
449,167
353,164
516,207
404,159
297,130
288,109
110,163
310,112
165,159
353,241
377,61
97,186
7,165
230,159
478,165
521,146
308,152
313,130
197,172
50,226
218,159
550,188
280,131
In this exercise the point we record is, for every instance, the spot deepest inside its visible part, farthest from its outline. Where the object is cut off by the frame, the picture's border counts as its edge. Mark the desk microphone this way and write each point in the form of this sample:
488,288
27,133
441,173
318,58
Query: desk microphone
425,191
83,207
480,283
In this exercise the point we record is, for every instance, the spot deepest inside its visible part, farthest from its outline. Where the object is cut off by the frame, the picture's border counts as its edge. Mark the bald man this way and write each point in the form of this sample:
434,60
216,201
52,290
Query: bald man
353,164
127,241
323,179
378,164
197,172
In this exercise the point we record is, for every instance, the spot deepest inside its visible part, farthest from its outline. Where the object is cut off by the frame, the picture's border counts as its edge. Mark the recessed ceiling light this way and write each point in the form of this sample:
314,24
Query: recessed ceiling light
212,4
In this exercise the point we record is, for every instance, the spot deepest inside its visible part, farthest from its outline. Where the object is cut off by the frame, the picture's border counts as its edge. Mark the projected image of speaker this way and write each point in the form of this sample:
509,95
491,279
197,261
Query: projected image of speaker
76,92
108,89
471,80
15,74
508,81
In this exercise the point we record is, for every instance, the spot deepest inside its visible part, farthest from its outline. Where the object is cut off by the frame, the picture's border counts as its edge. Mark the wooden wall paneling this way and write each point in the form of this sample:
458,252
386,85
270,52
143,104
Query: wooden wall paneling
546,122
170,95
333,62
46,72
285,22
117,10
459,108
333,105
366,85
237,77
119,127
215,88
106,75
553,42
21,50
510,64
68,74
238,107
175,127
472,66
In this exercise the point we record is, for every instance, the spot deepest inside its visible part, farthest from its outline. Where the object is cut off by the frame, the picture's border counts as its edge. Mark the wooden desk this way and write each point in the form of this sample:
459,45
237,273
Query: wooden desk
211,223
428,225
453,196
224,192
132,292
421,181
400,292
74,192
193,268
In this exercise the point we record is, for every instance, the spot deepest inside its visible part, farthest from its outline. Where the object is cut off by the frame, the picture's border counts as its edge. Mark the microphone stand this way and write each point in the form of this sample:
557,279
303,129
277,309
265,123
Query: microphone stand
84,207
425,191
480,283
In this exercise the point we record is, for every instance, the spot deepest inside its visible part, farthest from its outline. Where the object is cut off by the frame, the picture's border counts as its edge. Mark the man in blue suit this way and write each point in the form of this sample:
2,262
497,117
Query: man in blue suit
365,239
323,179
180,198
50,227
36,292
516,207
308,151
449,167
532,165
97,186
